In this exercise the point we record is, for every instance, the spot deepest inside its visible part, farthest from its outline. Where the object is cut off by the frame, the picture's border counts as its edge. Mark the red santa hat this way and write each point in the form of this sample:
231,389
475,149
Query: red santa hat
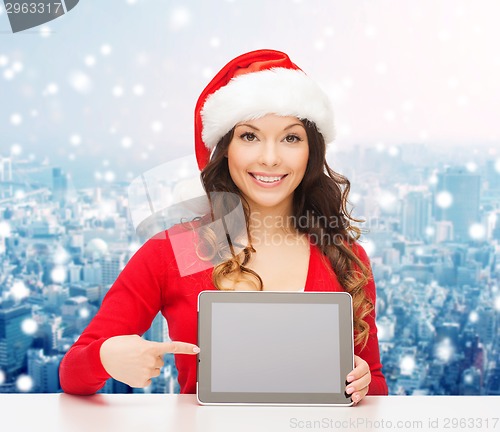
251,86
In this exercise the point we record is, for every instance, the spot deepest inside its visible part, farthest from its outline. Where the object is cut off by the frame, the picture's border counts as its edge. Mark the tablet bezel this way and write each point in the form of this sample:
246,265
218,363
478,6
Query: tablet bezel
203,385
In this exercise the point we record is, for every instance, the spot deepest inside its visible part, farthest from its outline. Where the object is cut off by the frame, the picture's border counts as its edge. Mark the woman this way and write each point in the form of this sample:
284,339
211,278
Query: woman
260,131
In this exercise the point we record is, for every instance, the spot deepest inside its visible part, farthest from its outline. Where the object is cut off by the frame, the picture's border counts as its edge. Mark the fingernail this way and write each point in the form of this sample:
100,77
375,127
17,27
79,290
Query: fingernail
349,390
196,350
355,398
350,378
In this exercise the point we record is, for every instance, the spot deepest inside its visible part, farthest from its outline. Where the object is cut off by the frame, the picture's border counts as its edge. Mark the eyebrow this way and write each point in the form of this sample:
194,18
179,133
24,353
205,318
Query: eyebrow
258,130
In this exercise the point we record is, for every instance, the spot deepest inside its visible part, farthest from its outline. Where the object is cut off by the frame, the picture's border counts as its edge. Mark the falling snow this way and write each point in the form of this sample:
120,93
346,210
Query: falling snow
445,350
407,365
29,326
80,82
477,232
89,61
24,383
75,140
106,49
4,229
58,274
117,91
19,290
180,18
16,119
444,199
126,142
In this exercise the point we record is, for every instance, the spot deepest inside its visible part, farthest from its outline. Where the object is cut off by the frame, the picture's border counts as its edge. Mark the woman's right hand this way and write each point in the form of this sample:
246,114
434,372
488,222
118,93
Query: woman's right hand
134,360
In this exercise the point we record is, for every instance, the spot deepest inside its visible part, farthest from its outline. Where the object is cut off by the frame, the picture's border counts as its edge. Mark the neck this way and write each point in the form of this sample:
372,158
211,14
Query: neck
271,221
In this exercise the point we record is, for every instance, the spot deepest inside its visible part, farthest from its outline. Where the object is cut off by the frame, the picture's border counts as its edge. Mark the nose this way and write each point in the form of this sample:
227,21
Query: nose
269,155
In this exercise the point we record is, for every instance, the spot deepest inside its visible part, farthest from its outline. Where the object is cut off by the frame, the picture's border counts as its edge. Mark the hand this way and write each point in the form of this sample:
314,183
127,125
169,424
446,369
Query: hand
359,380
134,361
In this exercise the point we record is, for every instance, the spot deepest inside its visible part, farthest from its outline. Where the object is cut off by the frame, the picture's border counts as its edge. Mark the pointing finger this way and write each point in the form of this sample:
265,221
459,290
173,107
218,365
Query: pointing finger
175,347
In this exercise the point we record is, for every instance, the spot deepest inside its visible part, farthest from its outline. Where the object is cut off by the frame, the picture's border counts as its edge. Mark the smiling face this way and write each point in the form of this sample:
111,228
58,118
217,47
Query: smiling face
267,159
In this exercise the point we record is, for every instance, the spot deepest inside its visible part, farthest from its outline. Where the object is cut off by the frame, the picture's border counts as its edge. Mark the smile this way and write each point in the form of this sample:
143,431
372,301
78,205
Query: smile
268,179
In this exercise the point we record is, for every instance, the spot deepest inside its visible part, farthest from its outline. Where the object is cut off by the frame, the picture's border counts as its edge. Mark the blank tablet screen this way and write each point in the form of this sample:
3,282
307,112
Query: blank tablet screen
254,352
274,347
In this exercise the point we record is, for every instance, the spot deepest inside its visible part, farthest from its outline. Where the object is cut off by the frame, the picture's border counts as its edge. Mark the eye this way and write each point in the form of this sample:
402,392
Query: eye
248,136
292,139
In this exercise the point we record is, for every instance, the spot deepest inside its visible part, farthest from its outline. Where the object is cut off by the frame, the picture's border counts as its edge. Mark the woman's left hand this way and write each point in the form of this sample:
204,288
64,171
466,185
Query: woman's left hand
358,380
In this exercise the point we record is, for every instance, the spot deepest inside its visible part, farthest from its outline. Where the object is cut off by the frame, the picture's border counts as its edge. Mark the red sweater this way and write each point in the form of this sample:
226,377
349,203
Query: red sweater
150,283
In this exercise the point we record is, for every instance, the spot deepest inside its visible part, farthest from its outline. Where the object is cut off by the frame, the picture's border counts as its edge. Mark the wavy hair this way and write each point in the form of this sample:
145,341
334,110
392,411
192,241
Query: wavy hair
321,201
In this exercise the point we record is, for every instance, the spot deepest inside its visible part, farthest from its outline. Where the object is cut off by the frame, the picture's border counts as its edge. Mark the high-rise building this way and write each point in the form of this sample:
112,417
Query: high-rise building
76,313
14,343
6,187
74,272
92,273
492,175
111,266
44,370
416,215
59,185
459,189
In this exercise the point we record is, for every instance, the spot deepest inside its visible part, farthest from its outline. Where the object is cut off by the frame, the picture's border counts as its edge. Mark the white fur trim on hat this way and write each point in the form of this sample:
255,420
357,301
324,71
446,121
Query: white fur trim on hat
281,91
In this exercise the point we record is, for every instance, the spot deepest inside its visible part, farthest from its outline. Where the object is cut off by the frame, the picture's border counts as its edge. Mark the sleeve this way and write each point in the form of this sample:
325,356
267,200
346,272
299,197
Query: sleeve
371,353
128,308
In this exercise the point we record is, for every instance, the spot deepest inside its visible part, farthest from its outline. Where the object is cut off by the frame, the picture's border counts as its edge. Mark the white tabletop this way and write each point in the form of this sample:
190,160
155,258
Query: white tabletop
145,413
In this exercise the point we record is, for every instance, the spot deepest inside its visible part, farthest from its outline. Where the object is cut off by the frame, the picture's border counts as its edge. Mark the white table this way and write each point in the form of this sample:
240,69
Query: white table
181,413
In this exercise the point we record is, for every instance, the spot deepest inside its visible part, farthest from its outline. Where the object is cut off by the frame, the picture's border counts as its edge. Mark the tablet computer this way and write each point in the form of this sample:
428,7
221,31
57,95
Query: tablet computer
274,348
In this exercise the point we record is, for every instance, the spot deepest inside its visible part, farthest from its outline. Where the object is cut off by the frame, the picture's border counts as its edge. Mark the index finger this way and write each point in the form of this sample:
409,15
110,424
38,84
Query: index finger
176,347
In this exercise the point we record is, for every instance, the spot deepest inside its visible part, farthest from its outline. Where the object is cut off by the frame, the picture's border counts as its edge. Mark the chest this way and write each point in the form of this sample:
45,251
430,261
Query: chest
281,268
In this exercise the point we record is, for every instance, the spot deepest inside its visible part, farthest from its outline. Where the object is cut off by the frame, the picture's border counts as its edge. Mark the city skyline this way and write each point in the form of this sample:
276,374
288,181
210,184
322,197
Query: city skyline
438,305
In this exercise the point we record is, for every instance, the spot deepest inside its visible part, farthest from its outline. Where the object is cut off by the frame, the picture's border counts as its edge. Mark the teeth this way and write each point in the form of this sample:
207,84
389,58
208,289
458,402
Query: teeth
267,179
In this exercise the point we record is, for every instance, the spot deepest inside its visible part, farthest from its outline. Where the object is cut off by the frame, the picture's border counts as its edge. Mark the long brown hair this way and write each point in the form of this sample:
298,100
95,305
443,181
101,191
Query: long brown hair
321,202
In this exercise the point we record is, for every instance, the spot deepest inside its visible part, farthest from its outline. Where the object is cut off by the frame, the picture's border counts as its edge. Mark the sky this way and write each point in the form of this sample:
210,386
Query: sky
108,90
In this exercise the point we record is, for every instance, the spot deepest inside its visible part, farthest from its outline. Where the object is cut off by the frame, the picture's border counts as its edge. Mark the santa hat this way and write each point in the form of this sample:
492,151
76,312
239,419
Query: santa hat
251,86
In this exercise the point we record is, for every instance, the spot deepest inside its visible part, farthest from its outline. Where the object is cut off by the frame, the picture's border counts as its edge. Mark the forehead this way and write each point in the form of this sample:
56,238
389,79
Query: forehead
272,121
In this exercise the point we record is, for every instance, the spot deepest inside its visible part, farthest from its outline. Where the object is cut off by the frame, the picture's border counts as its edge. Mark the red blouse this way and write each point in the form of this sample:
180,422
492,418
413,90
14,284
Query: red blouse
151,282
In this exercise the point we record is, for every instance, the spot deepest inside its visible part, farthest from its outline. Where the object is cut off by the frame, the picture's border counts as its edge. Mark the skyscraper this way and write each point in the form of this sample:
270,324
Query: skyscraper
14,343
59,185
5,177
463,208
44,370
111,266
416,215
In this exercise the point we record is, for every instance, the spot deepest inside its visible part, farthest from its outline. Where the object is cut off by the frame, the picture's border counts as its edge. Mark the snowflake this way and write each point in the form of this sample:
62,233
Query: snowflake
407,365
58,274
180,18
4,229
24,383
75,140
444,199
80,82
19,290
106,49
29,326
16,119
477,231
445,350
117,91
126,142
89,61
138,90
